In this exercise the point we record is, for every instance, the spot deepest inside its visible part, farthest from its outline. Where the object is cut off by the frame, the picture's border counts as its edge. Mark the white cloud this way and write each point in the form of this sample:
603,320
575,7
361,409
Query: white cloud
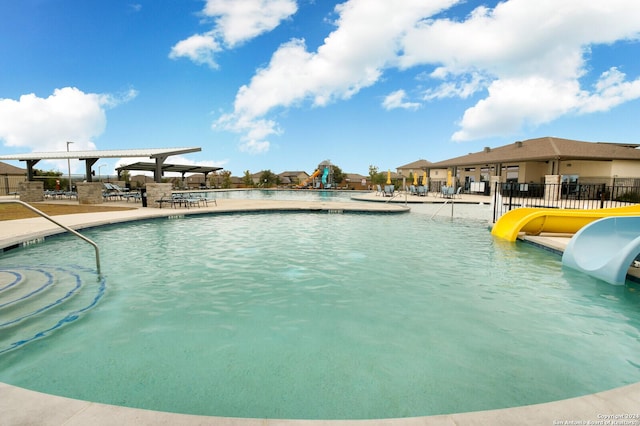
611,90
534,50
353,57
523,60
235,22
463,87
46,124
199,48
253,146
517,102
396,100
239,21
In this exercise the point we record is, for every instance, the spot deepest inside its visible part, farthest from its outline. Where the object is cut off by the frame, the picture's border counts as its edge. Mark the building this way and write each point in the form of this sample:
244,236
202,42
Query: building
10,177
411,169
292,178
533,160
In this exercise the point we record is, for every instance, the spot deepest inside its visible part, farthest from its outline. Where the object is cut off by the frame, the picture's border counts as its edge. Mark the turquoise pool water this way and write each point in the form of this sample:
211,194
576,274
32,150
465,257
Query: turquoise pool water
281,194
328,316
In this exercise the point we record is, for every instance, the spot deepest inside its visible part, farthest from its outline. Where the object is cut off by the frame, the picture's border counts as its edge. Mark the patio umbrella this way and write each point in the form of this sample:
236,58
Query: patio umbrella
389,177
424,178
448,177
415,178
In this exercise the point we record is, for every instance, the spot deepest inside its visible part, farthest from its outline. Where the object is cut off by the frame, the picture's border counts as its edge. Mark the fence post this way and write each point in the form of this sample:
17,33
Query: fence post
496,203
511,185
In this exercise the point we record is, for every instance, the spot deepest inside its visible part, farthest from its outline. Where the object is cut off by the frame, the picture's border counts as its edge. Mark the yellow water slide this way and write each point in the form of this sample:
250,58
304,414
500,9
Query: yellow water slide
308,180
534,221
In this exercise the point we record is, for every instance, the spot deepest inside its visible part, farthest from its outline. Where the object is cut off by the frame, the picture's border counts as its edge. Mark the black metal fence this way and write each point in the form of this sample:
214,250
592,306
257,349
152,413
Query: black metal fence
509,196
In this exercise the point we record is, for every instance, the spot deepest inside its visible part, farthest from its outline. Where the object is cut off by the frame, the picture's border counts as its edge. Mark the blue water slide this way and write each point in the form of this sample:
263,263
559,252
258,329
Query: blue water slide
325,174
605,248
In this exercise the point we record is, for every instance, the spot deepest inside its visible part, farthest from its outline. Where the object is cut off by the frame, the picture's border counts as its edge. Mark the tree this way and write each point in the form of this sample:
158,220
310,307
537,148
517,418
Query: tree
49,179
338,175
226,179
268,179
373,171
376,177
247,179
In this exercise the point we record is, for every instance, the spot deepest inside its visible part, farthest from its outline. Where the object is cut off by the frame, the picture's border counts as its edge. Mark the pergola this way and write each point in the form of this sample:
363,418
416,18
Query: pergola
176,168
91,157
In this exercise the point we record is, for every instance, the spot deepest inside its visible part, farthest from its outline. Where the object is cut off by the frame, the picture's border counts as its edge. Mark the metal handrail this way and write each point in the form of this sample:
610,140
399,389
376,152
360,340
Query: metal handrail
66,228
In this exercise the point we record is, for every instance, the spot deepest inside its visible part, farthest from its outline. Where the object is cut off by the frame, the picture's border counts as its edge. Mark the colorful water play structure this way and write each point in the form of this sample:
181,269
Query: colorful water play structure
310,179
534,221
605,248
325,175
604,243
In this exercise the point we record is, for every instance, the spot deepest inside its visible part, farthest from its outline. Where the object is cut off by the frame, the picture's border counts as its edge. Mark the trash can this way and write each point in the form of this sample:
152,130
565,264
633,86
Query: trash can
143,197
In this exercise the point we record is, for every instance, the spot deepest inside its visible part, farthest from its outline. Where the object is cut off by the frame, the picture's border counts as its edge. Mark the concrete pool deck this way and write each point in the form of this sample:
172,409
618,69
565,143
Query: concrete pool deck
19,406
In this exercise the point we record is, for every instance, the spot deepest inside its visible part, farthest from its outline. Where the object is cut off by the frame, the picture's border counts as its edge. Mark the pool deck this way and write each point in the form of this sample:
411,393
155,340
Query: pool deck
20,406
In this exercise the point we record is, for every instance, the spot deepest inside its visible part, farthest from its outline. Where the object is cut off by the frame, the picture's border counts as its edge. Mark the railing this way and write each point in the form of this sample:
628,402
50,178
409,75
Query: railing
508,196
66,228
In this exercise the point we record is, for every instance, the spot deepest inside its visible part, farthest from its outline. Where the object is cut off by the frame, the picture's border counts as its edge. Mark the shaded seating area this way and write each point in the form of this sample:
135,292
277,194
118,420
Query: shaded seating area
112,192
184,200
420,190
60,195
450,192
388,190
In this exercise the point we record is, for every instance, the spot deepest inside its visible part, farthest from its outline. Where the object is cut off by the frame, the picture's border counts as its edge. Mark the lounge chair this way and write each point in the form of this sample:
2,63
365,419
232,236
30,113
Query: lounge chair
165,199
112,191
186,199
449,193
378,190
388,190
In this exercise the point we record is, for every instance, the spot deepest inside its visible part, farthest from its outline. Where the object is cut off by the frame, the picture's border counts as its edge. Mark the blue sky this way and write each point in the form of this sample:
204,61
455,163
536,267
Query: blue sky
286,84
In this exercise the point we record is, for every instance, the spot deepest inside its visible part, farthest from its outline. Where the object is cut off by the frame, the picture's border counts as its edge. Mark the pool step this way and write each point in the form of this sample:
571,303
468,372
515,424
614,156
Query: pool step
37,300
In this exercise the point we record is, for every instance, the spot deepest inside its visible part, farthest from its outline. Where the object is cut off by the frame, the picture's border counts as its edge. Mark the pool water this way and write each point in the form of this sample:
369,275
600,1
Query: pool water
282,194
328,316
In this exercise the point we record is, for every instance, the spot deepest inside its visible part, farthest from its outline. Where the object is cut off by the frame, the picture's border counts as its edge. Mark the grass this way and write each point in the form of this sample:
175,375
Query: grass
16,211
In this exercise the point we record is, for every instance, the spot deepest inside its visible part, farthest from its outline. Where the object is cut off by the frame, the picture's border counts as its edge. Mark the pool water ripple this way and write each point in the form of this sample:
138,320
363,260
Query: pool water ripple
331,317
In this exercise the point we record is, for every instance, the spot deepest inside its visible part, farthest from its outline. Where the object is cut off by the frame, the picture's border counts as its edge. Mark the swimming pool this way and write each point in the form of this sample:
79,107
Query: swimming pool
328,316
281,194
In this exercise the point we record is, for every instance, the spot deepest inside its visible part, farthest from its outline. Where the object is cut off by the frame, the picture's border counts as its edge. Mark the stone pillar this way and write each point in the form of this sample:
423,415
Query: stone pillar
552,187
31,192
89,192
155,191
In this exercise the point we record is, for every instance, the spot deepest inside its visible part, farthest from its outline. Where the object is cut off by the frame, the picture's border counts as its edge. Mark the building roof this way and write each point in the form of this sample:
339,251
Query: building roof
355,177
8,169
420,164
543,149
293,173
91,157
104,153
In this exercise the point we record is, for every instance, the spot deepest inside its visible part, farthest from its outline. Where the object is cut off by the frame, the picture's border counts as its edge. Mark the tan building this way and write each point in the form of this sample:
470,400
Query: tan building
532,160
10,178
292,178
411,169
